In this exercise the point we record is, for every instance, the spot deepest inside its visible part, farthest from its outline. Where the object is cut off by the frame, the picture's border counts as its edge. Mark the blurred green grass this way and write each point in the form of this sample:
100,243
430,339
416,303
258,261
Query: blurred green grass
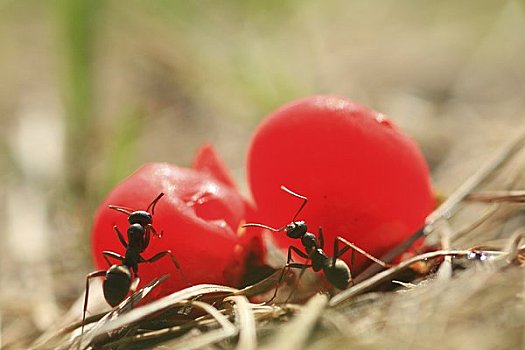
238,61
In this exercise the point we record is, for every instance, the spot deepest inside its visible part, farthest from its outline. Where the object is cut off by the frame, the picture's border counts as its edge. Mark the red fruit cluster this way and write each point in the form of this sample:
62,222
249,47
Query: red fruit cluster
365,181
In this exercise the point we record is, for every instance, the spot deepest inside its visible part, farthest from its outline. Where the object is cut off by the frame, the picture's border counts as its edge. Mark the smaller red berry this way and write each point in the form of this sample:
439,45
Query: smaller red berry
199,215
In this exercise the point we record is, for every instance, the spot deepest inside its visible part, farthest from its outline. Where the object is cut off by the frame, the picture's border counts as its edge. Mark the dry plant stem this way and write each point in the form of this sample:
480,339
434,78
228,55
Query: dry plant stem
84,339
516,251
227,330
117,318
483,218
245,322
259,312
449,206
260,287
163,304
497,196
389,274
445,270
295,333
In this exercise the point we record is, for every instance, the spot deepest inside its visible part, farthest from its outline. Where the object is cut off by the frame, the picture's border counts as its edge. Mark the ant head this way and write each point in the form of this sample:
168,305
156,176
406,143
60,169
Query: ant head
135,230
337,273
296,229
141,217
116,284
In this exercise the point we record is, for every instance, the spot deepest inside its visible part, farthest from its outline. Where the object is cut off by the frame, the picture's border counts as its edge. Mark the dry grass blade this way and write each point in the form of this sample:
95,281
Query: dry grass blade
515,249
263,286
227,330
83,341
389,274
498,196
294,334
447,209
172,300
245,321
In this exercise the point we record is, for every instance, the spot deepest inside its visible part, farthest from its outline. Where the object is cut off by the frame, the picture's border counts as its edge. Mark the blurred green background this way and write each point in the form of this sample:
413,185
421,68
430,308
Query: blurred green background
92,89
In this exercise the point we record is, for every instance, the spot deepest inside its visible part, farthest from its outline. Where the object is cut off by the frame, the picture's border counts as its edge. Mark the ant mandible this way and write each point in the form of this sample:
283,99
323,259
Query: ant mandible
118,278
335,270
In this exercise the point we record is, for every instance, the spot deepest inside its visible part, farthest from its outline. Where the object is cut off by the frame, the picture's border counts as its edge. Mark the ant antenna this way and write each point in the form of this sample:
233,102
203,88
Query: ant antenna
129,211
154,203
266,227
124,210
289,191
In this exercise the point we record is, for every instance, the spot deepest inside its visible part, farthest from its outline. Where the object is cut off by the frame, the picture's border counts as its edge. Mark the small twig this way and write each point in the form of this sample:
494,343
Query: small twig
386,275
477,223
497,197
515,249
445,231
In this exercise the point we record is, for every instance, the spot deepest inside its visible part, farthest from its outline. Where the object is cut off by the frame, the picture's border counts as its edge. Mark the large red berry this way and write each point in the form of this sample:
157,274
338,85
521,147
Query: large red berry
364,178
199,215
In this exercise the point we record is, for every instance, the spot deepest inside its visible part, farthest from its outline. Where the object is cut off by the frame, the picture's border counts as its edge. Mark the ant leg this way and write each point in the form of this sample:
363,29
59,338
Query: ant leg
320,237
120,236
134,284
86,295
147,236
158,235
338,253
303,268
161,255
297,251
107,254
289,262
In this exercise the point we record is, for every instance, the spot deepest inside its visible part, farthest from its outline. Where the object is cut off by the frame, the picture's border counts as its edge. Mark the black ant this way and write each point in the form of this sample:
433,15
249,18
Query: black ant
336,270
118,278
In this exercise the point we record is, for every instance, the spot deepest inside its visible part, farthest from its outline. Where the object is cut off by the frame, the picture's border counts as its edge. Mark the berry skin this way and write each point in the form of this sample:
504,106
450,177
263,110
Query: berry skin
199,214
364,178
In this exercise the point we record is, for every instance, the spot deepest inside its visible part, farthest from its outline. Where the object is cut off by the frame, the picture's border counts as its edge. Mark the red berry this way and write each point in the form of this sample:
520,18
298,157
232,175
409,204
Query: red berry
364,178
199,215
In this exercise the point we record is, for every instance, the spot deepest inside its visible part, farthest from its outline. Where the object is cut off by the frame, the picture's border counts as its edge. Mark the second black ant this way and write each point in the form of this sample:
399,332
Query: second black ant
335,270
120,278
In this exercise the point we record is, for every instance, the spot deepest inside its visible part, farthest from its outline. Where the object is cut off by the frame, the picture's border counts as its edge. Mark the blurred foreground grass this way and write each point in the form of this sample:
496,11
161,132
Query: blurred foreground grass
92,89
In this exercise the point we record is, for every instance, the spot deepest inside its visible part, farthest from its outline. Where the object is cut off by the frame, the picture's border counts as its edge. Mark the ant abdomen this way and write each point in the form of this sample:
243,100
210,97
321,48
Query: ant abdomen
338,273
116,285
